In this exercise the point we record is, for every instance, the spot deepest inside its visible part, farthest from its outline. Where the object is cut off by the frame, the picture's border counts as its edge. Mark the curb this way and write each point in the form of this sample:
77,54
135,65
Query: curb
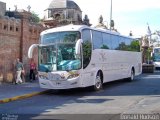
6,100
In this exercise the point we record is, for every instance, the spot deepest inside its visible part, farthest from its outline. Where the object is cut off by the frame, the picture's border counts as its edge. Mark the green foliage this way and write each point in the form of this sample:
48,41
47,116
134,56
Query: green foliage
35,17
87,48
148,54
122,46
70,37
104,47
135,46
67,51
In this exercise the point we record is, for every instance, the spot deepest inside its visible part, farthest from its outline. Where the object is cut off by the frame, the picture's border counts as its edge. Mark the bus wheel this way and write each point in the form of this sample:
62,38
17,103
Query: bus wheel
98,83
131,78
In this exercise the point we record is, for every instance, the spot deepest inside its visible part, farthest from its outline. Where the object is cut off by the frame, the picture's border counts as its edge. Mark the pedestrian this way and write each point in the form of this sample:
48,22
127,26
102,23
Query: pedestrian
32,70
19,69
23,76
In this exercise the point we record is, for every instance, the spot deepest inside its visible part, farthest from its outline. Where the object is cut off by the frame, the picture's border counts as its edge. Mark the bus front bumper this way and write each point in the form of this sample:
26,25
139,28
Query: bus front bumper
157,64
60,84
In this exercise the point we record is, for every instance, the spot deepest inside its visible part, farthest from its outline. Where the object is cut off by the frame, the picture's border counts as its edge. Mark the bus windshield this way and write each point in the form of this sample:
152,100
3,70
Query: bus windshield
156,55
59,52
60,37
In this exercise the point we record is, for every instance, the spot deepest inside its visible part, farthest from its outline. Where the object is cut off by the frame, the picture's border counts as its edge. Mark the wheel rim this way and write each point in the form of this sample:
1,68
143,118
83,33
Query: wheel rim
132,75
98,82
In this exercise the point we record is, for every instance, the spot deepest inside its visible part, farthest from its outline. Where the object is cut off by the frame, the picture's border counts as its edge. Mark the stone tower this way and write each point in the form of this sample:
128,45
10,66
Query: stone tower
62,12
2,8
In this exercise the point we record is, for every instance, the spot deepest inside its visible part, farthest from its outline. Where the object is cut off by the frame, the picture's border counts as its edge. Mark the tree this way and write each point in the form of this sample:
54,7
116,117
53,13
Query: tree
155,41
35,18
135,46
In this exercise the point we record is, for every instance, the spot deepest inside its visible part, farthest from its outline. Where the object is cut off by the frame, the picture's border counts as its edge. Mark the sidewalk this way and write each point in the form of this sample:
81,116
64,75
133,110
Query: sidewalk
11,92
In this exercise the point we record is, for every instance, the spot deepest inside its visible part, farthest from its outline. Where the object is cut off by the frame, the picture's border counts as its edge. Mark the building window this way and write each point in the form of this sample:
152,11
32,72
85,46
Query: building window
79,17
49,13
35,31
30,30
17,29
70,14
57,16
11,28
5,27
0,26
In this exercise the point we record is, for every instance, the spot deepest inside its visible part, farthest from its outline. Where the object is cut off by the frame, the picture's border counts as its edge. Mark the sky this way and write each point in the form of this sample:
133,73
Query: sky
128,15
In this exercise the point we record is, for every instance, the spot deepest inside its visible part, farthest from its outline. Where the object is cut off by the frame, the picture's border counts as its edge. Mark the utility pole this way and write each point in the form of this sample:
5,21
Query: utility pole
149,33
111,15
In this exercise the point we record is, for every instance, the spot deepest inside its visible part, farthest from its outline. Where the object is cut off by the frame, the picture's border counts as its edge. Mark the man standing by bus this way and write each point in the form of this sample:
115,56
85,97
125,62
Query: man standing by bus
19,68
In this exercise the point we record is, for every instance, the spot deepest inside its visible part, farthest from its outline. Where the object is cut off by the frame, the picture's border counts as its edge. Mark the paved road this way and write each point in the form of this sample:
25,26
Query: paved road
120,97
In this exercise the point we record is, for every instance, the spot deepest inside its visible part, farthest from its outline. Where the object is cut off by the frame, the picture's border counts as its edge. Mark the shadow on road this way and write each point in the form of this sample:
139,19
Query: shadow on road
145,84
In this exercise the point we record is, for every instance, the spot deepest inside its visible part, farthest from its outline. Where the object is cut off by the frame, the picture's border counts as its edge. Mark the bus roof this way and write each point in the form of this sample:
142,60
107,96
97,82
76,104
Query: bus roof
156,47
72,27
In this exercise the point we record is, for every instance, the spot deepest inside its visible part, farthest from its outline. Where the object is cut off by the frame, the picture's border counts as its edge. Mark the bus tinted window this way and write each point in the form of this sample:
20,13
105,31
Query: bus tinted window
122,44
156,55
67,36
102,40
134,46
107,43
87,47
115,41
128,41
97,39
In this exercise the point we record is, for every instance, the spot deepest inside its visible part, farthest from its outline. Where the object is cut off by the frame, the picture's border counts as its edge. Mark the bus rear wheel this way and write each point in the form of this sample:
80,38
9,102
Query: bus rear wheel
132,74
98,83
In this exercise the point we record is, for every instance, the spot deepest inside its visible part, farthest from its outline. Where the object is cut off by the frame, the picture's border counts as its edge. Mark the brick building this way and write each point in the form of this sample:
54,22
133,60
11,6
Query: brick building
16,35
17,32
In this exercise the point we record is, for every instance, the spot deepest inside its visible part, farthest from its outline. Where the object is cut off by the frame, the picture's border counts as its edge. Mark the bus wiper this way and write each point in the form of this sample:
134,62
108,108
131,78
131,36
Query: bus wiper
69,70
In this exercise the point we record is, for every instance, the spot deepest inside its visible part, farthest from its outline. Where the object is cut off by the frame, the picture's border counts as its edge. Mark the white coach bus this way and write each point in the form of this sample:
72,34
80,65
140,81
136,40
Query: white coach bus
75,56
156,57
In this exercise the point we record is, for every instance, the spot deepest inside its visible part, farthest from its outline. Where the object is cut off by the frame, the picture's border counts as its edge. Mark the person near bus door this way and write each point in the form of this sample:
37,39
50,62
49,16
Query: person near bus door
32,70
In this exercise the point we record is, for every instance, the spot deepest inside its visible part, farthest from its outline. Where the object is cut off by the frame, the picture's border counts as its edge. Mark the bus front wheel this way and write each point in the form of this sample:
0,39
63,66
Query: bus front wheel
98,82
132,74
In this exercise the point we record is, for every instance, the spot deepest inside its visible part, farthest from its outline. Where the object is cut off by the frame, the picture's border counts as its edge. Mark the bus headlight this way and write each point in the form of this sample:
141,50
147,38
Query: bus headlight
43,77
72,76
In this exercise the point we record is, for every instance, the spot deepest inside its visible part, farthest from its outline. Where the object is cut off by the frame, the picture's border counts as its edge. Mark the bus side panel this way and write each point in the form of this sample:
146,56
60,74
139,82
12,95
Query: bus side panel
89,73
111,65
124,61
114,65
101,61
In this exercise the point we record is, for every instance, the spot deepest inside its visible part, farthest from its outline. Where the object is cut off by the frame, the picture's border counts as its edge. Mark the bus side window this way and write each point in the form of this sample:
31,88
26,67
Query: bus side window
107,43
115,40
97,39
122,44
86,47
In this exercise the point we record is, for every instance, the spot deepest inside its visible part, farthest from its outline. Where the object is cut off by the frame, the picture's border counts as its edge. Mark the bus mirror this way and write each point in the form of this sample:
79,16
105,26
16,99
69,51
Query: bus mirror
30,50
151,54
78,46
